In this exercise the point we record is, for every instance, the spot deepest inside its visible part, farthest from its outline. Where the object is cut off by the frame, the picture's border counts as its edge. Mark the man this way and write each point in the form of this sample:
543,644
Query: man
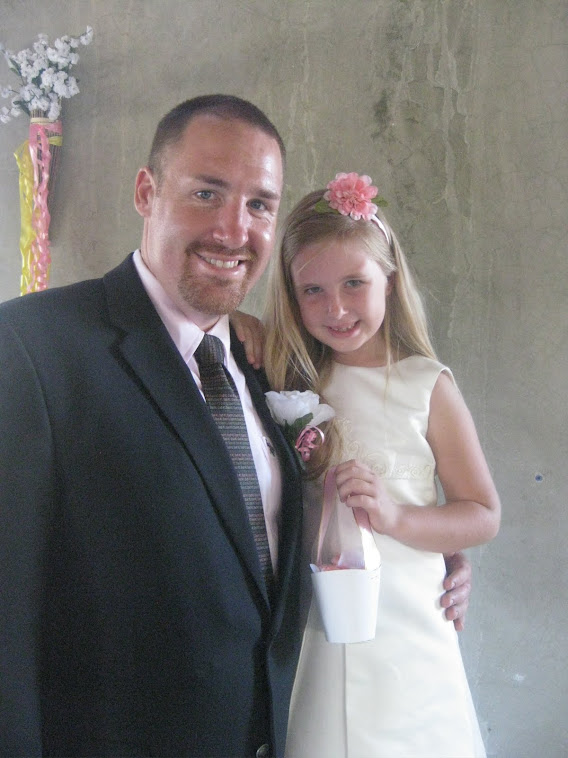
135,618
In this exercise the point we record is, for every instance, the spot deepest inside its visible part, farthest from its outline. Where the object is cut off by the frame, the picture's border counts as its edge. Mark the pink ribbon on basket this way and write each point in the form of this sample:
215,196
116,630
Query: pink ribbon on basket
40,153
369,548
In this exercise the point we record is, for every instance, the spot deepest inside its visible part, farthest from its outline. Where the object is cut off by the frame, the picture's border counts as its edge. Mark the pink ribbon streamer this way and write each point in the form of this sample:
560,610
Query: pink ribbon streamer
41,160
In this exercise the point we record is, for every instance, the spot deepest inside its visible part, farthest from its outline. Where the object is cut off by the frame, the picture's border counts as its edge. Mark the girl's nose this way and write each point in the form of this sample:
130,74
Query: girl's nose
335,306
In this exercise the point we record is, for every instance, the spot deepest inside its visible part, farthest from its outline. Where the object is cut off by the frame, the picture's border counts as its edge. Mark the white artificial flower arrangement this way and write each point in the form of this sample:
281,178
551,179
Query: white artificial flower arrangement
44,75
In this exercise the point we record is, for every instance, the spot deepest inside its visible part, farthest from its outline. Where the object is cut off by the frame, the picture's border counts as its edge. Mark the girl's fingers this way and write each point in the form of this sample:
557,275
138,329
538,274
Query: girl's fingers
353,479
250,331
353,470
355,488
253,348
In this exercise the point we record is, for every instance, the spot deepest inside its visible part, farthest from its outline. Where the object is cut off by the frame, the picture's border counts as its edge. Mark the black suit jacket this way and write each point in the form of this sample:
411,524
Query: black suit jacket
133,616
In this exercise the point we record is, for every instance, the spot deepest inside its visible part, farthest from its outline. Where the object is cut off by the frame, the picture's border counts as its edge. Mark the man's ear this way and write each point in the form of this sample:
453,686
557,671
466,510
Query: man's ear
144,191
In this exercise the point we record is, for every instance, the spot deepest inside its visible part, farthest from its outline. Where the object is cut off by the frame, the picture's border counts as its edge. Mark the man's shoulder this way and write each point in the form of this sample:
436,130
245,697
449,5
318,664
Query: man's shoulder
50,302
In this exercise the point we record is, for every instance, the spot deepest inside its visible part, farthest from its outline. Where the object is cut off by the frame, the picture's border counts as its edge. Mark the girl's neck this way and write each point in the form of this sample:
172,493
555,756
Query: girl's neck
372,355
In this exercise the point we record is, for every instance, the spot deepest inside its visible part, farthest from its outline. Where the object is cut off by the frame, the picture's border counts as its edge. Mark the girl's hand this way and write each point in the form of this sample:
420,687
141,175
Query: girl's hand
360,487
457,586
250,331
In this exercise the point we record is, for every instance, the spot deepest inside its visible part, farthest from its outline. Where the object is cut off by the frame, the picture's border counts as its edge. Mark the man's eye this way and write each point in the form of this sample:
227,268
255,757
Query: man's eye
257,205
205,194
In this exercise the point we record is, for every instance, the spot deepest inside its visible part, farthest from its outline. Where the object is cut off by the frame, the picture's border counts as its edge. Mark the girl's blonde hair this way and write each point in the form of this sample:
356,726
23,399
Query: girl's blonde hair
294,359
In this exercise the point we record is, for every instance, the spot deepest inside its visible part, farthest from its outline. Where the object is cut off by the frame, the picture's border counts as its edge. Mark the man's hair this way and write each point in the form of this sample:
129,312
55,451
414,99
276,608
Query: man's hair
228,107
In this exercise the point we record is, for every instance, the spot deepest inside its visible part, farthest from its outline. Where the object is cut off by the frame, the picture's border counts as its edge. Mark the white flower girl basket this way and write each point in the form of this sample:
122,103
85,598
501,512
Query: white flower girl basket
346,574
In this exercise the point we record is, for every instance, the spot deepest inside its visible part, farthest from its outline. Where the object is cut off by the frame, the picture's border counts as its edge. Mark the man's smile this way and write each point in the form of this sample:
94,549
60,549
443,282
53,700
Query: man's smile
220,263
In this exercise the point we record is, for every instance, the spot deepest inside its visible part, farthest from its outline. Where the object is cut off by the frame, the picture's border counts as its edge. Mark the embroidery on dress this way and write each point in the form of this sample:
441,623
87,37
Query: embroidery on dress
379,462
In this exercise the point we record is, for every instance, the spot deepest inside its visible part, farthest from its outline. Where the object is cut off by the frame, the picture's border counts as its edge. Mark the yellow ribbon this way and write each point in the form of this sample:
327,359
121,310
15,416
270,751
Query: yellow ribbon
27,234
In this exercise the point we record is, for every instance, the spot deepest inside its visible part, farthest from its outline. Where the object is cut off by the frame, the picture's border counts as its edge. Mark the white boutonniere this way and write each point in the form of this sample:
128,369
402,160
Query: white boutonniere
299,414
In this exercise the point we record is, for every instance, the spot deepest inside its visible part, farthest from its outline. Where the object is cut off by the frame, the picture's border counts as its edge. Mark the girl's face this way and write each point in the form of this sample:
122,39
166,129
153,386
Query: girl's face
342,295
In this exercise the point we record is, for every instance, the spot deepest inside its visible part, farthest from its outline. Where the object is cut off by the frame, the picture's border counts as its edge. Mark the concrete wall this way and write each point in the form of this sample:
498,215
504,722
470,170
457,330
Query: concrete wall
458,111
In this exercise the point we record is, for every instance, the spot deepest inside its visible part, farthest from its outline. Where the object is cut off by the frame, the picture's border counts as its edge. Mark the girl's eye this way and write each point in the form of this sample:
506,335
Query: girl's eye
354,283
312,290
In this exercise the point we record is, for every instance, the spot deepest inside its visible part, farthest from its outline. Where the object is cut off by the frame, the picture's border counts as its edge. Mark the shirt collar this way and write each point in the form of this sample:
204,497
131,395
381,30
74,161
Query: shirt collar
184,332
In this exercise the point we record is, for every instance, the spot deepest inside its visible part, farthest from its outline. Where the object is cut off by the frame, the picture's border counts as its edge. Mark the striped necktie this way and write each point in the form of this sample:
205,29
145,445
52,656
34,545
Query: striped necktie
225,406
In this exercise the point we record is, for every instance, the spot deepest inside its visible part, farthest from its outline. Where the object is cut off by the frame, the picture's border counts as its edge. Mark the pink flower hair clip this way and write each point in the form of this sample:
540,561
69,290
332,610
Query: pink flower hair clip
351,195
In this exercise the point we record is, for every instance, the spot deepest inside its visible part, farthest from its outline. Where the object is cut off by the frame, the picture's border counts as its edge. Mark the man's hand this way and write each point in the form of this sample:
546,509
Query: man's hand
458,587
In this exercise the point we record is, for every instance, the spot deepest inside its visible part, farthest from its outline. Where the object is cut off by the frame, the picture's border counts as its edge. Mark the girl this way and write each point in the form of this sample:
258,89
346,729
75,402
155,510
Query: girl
345,320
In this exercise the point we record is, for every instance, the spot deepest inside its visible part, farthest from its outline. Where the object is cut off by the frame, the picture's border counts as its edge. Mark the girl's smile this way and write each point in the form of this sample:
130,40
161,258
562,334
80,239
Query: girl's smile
341,293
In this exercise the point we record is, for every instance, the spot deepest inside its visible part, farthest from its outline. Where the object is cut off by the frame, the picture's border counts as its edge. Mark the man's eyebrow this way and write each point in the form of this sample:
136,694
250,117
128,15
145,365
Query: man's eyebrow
207,179
262,192
268,194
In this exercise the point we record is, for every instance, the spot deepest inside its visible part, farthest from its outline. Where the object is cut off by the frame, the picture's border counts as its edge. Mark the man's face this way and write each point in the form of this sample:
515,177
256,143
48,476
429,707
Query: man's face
210,226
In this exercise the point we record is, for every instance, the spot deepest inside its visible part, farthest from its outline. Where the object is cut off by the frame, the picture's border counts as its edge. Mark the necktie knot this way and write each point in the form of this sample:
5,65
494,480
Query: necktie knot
210,351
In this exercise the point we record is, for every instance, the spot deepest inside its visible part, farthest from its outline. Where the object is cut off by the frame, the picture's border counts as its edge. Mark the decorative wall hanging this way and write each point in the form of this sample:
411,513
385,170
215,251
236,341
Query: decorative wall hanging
45,81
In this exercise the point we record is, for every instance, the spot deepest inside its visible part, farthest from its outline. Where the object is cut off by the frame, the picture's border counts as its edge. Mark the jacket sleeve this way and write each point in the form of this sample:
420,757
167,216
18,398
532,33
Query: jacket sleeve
26,498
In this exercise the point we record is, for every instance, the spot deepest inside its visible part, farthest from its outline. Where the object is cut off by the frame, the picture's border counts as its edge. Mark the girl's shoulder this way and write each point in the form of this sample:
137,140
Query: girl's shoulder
408,376
420,370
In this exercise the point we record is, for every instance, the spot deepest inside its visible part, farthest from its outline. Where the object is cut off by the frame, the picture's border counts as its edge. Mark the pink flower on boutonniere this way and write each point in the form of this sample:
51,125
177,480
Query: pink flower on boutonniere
299,414
351,195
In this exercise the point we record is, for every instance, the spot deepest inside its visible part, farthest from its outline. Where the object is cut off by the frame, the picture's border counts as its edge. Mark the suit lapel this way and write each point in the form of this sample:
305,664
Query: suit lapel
151,354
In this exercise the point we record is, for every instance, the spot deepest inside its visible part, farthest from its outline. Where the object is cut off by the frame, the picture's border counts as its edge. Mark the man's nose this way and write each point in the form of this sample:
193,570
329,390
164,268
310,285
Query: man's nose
232,225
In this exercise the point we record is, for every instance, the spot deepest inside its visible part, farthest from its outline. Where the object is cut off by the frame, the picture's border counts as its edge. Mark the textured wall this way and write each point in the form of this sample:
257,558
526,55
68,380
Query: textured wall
458,110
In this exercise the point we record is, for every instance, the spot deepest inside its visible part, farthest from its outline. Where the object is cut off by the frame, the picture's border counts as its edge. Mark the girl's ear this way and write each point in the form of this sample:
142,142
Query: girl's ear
390,282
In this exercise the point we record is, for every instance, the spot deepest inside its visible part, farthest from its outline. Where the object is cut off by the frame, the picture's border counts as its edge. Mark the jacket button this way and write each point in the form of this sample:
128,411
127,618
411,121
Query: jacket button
263,751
